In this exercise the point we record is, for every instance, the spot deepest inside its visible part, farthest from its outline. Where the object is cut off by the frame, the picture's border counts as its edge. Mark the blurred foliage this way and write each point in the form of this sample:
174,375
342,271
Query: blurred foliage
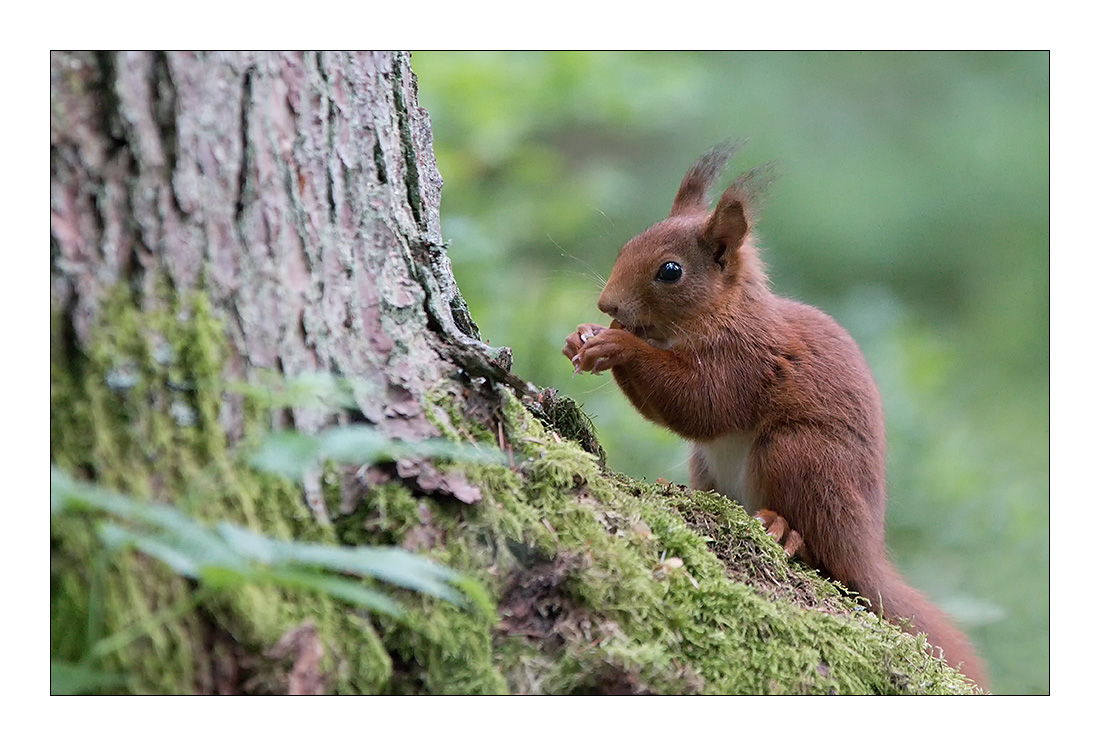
911,203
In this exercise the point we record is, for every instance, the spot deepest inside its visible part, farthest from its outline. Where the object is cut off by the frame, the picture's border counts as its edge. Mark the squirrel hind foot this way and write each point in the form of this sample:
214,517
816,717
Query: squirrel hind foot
778,528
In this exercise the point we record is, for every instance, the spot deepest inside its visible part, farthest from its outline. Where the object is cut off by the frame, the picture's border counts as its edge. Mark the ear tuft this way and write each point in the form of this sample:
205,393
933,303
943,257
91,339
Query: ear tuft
692,196
735,214
729,224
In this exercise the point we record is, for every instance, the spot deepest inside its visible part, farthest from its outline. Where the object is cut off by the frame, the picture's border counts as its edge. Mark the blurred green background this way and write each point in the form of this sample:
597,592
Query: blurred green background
911,203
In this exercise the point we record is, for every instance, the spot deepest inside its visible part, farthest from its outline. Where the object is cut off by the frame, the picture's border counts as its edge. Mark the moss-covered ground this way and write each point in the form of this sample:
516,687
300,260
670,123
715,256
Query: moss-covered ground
601,584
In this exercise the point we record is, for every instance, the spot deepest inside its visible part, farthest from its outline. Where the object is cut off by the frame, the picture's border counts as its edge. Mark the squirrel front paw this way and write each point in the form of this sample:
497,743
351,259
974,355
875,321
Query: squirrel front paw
575,341
596,348
778,528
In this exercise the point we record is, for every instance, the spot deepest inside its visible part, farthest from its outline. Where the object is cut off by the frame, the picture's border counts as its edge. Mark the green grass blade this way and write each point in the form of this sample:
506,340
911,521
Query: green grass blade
390,564
69,678
347,590
116,537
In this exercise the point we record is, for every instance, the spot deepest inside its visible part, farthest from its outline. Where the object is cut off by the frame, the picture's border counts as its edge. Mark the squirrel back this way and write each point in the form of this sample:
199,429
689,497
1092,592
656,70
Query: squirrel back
775,396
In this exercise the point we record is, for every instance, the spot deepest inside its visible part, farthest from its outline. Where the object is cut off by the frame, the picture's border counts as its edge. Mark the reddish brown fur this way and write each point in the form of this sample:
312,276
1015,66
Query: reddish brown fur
716,353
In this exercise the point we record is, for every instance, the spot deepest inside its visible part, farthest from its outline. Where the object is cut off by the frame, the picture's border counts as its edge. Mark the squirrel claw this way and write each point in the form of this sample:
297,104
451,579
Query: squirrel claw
778,528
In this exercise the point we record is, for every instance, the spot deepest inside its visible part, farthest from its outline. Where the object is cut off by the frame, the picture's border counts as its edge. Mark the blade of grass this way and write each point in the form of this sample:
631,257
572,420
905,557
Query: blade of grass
68,678
392,564
344,589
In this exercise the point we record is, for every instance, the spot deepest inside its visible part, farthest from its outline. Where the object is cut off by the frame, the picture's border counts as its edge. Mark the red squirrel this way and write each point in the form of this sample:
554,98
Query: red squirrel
776,398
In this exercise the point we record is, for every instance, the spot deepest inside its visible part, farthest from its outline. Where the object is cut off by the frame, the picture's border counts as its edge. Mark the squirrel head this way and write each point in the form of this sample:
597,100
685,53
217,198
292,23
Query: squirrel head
670,282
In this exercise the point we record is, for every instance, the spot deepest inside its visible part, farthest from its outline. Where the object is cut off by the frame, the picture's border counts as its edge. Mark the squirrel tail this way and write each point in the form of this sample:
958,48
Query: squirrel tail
896,600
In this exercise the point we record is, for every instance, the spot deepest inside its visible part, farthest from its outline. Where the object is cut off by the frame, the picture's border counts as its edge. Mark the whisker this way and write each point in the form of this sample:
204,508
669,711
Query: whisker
575,273
609,220
595,275
687,336
601,386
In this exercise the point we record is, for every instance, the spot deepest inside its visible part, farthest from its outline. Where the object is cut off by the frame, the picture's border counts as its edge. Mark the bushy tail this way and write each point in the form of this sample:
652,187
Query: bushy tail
894,599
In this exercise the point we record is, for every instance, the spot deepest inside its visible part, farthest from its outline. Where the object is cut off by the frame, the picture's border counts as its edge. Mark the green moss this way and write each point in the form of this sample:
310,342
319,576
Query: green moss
600,583
451,418
116,416
140,413
579,563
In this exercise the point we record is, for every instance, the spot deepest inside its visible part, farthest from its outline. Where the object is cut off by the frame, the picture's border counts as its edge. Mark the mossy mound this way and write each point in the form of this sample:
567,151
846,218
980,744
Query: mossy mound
601,584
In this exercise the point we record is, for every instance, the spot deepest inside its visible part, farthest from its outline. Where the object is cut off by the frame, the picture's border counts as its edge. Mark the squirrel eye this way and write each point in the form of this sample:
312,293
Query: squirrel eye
669,272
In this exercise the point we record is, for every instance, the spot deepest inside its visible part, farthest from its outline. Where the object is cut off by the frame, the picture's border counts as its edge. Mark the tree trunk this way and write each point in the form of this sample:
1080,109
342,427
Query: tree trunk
217,216
299,192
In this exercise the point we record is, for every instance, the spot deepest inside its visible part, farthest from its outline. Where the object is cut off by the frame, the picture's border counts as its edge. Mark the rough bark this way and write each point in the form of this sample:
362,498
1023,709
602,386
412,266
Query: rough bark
214,216
299,191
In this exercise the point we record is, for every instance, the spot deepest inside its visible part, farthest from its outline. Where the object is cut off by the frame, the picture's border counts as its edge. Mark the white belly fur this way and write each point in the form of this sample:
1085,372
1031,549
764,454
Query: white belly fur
727,460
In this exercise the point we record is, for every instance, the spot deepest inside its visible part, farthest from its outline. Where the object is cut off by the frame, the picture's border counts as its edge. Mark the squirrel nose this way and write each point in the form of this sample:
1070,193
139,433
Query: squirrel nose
608,307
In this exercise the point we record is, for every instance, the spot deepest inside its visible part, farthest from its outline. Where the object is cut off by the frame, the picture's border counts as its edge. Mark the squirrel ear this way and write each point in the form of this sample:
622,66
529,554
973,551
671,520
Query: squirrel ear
728,224
692,196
